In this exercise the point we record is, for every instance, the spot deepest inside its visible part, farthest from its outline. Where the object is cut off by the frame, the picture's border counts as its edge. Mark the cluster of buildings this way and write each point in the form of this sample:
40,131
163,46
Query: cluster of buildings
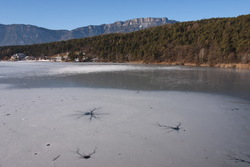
56,58
21,57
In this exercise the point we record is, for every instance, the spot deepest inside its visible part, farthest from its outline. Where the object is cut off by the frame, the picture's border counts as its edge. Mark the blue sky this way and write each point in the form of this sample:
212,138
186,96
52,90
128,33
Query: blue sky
70,14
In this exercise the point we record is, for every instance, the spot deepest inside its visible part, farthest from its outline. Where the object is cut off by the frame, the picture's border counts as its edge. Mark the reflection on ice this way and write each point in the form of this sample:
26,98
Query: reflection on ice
84,69
27,69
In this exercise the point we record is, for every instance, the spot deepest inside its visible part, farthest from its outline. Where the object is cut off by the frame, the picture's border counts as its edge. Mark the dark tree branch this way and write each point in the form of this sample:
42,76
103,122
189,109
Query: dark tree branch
85,156
238,159
56,158
172,128
90,113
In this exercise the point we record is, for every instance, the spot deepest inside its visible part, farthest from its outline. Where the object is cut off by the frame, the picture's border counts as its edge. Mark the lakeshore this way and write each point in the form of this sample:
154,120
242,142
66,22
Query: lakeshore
219,65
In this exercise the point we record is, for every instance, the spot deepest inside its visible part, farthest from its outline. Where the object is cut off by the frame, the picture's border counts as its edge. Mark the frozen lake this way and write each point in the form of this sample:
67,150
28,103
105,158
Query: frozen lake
126,76
123,115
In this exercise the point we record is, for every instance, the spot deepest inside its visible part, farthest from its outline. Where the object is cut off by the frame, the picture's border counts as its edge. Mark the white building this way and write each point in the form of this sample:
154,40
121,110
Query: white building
18,57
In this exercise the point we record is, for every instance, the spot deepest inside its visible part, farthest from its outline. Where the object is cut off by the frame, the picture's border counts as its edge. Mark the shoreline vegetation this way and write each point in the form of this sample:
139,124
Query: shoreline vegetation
216,42
222,65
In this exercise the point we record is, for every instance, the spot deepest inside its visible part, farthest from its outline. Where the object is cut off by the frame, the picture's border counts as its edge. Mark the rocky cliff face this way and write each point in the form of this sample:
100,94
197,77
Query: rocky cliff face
19,34
120,27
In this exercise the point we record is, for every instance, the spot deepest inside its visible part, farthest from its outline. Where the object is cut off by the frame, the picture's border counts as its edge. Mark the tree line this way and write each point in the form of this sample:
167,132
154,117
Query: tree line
209,41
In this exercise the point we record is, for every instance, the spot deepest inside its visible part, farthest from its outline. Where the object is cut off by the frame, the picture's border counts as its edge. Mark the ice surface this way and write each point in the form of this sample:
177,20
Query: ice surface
108,68
38,125
24,69
125,76
45,115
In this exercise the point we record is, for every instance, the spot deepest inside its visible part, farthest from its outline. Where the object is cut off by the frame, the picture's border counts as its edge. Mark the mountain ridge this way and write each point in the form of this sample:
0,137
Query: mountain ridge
22,34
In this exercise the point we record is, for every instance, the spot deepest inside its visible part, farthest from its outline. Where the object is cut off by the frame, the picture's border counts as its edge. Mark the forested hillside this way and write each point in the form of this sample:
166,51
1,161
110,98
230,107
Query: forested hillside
210,41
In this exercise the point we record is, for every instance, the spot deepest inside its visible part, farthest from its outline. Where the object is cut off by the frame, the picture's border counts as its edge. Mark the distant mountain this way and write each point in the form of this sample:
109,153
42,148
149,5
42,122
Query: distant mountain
19,34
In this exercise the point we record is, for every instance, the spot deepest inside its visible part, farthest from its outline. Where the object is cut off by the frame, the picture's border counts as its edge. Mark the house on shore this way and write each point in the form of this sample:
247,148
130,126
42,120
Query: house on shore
18,57
59,57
